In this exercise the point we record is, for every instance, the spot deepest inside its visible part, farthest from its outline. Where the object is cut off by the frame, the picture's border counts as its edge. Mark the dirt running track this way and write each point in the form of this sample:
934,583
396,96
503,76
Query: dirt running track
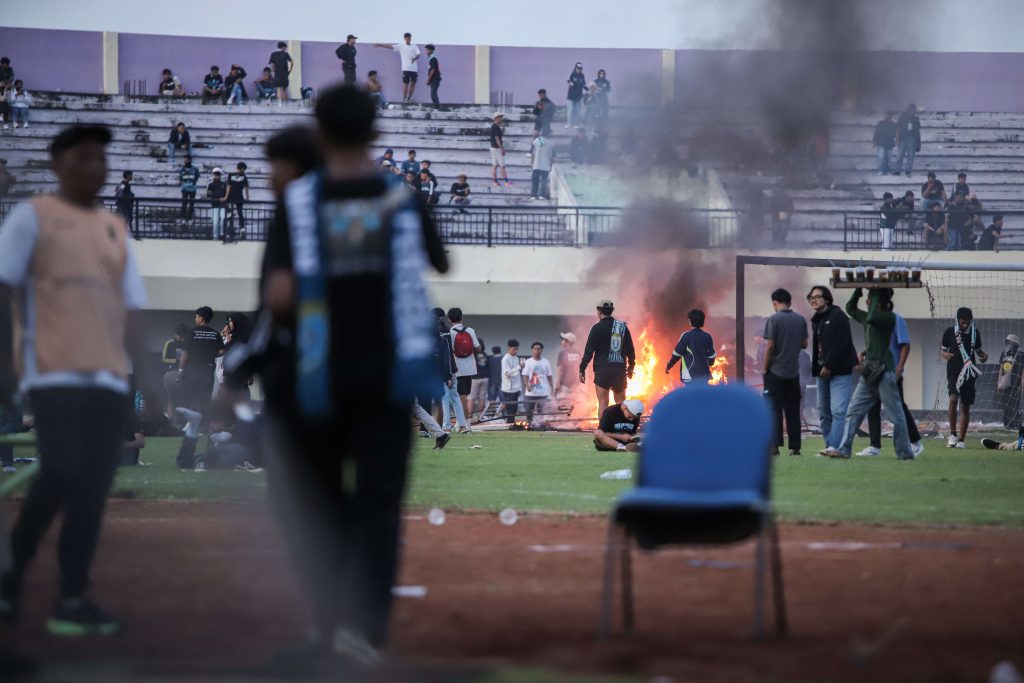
204,587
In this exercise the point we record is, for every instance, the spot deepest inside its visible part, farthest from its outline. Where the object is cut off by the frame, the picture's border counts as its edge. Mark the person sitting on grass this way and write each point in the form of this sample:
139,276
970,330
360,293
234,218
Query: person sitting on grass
617,430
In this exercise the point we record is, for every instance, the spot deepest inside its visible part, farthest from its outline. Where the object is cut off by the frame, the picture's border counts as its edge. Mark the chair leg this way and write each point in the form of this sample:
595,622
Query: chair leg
759,581
627,582
604,626
781,624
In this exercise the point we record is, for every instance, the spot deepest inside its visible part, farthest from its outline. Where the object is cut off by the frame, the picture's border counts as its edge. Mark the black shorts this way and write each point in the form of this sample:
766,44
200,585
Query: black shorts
409,76
966,392
282,81
613,378
464,384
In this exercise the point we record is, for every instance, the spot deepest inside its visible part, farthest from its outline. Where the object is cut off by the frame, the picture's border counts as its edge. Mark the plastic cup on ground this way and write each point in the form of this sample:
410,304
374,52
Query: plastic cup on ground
436,516
508,516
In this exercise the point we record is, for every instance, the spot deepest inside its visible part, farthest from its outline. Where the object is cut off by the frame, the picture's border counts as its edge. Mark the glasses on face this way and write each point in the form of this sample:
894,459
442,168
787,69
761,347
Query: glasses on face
814,297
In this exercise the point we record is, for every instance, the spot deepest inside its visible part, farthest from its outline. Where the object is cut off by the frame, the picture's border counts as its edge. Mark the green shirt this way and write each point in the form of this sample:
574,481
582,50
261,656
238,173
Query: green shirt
878,328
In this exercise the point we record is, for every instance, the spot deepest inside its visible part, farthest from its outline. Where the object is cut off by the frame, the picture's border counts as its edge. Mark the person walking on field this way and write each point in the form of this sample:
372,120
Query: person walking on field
497,140
961,345
74,367
833,358
696,350
409,53
785,334
610,345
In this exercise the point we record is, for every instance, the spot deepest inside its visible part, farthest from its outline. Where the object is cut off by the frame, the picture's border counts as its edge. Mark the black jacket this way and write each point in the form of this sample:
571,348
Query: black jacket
832,342
885,134
179,140
599,344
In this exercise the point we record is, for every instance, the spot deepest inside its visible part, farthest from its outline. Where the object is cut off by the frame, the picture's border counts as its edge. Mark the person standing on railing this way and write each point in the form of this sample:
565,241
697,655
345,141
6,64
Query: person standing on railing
604,89
217,193
124,199
238,194
188,176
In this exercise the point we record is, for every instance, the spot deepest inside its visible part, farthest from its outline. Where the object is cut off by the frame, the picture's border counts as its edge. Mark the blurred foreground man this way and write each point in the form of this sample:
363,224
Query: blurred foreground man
68,264
343,269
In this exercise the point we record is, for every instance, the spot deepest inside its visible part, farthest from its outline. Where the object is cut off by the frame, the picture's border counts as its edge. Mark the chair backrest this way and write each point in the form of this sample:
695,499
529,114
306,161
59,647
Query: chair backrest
708,438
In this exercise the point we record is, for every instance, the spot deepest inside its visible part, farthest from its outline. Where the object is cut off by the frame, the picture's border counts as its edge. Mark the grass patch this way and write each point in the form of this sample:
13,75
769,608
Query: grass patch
561,473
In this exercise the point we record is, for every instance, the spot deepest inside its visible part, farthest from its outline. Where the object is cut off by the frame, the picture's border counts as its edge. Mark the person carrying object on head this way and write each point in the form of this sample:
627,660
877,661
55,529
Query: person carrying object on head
618,429
610,345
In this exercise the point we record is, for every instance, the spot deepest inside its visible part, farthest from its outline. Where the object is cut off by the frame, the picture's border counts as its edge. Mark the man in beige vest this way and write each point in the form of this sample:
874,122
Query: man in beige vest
67,266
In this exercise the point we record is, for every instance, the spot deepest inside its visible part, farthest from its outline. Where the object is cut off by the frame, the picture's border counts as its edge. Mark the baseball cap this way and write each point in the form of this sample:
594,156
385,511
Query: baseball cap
386,164
217,170
497,115
1013,338
569,337
635,405
350,37
605,303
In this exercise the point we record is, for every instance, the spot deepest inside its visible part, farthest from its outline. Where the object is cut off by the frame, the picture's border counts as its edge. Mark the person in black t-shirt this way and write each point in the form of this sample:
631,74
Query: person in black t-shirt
238,194
428,187
203,345
961,344
932,190
989,240
617,430
956,223
125,199
180,140
433,74
217,193
234,85
934,231
188,175
213,86
281,62
347,54
961,185
544,111
497,140
460,193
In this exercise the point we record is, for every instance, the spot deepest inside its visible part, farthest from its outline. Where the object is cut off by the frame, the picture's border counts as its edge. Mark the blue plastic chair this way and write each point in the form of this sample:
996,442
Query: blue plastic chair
704,478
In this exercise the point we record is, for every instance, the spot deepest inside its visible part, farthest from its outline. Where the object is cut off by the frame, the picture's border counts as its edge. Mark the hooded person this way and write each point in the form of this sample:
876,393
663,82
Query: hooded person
961,347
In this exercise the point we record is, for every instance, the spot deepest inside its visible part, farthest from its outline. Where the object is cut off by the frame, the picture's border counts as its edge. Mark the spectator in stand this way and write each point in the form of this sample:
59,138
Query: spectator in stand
425,166
7,179
346,52
234,85
265,84
281,62
6,83
410,165
388,156
932,190
956,223
833,360
511,381
376,89
541,155
19,102
884,140
179,140
782,213
604,89
433,74
961,185
238,194
188,176
544,113
494,374
217,193
412,181
124,199
170,85
989,240
497,139
460,193
428,188
578,147
890,215
464,344
408,53
481,381
213,86
574,98
537,378
934,235
908,140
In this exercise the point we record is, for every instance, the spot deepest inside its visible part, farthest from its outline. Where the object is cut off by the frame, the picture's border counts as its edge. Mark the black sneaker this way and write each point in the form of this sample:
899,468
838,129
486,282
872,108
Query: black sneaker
442,441
81,617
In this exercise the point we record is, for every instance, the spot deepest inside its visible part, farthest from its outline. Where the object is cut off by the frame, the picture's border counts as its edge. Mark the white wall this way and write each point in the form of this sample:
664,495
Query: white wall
913,25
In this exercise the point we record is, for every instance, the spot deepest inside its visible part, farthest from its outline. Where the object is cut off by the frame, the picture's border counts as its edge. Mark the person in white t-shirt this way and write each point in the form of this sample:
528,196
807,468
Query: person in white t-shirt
409,54
511,381
464,344
537,381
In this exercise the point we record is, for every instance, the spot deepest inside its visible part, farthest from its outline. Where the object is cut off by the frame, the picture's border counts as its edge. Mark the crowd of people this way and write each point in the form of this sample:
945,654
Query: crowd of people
15,101
230,88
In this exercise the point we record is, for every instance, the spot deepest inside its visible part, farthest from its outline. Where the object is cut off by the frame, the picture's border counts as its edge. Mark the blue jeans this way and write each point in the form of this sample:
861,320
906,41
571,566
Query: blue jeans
236,92
908,148
19,114
172,150
833,398
263,91
573,112
883,154
954,240
379,99
864,397
451,395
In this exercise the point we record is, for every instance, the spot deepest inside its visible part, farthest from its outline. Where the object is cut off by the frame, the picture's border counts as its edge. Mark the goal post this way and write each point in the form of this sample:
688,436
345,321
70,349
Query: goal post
994,292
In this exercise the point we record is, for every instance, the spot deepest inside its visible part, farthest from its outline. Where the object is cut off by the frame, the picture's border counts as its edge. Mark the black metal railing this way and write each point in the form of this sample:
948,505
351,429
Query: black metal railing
921,230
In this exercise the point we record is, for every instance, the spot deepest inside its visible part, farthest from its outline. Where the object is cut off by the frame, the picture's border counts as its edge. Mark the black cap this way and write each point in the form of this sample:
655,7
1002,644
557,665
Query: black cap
77,135
389,151
350,37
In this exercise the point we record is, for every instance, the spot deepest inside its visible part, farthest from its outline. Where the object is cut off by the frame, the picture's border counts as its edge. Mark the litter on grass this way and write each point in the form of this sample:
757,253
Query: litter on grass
617,474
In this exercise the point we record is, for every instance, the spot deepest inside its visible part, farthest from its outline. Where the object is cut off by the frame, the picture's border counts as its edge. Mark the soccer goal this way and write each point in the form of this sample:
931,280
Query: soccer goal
928,296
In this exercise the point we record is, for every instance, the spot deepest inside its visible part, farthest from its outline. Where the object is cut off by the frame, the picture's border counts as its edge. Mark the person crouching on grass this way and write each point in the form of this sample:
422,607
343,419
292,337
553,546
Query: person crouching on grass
617,430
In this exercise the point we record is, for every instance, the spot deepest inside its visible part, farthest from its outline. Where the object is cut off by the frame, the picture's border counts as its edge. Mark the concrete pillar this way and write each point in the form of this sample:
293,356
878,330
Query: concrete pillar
295,79
482,75
111,72
668,76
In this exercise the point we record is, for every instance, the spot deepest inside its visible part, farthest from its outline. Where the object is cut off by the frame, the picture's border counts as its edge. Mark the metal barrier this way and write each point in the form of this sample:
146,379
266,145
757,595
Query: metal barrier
863,230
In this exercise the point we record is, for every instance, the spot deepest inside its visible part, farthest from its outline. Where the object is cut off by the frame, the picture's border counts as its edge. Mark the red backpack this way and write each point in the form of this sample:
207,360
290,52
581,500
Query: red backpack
463,344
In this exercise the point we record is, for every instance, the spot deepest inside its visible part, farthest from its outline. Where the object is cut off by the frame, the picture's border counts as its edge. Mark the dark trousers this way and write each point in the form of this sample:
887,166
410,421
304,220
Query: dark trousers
785,397
348,74
539,184
511,405
434,85
338,491
875,420
188,205
125,210
79,432
235,211
196,389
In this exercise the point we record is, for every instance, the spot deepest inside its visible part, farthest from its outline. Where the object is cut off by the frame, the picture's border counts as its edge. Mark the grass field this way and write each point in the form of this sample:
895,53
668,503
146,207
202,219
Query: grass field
561,473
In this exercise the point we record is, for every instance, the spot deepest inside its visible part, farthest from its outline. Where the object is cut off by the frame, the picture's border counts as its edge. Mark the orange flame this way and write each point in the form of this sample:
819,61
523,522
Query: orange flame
718,375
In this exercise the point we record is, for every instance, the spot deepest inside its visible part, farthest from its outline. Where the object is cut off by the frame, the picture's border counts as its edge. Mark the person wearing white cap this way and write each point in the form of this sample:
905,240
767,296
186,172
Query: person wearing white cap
217,193
567,367
497,138
1010,383
617,430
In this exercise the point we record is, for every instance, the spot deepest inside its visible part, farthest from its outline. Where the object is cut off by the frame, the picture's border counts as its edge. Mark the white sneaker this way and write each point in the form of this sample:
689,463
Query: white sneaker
951,441
917,448
960,444
870,451
25,125
10,469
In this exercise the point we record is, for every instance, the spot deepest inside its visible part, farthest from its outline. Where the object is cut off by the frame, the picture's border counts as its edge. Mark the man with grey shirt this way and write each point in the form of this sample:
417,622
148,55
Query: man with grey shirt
785,334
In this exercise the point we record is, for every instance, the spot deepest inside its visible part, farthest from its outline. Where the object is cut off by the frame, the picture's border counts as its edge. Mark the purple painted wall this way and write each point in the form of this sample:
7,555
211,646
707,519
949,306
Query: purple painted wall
71,61
143,57
635,75
964,81
320,67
